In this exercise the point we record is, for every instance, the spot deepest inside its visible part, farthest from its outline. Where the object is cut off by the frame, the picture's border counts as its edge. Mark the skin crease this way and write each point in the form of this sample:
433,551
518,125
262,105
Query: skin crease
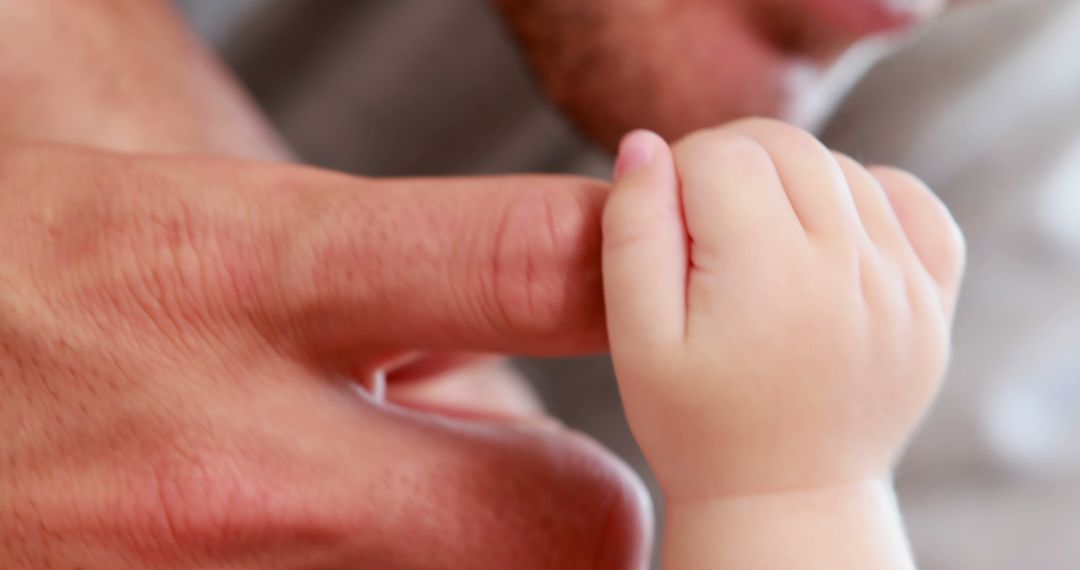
169,350
753,239
171,412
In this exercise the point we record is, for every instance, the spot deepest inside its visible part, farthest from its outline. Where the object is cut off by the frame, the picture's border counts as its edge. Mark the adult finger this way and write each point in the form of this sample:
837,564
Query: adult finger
321,485
547,498
90,73
501,264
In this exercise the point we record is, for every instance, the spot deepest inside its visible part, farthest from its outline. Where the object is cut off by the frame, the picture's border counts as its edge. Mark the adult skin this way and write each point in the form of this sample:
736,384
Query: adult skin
172,331
174,328
674,66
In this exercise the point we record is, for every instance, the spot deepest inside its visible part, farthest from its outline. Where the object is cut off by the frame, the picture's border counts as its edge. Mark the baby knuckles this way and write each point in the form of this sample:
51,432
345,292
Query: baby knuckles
809,361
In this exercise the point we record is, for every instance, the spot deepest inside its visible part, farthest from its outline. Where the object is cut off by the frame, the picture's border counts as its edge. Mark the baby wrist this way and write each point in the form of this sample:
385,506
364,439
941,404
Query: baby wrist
852,526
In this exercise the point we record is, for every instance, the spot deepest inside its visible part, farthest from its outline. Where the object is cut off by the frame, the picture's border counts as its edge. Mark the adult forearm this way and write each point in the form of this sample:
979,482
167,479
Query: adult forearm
123,74
854,527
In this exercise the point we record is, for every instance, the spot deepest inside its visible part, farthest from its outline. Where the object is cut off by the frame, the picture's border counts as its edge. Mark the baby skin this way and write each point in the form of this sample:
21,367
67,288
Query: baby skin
779,319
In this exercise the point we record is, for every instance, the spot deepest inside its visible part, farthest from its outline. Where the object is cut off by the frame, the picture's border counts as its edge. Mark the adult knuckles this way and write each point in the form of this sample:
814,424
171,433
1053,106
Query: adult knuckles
137,236
545,274
521,265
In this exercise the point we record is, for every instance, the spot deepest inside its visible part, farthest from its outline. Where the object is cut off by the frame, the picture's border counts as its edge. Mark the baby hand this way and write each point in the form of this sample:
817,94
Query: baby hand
779,316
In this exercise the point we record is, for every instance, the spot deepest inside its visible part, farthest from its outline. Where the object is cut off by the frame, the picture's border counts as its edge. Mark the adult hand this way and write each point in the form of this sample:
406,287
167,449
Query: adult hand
176,334
678,65
178,338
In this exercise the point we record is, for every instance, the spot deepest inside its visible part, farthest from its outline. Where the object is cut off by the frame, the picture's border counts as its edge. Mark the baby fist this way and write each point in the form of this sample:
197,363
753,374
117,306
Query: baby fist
779,315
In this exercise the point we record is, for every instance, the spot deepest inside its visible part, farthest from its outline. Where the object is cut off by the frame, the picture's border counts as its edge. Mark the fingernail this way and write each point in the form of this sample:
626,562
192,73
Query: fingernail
636,151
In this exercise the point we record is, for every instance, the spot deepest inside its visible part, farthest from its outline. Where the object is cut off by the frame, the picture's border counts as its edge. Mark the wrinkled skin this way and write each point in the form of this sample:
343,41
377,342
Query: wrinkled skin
174,330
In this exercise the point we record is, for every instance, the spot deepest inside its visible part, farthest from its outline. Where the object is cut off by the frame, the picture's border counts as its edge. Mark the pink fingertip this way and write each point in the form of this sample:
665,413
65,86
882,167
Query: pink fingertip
636,151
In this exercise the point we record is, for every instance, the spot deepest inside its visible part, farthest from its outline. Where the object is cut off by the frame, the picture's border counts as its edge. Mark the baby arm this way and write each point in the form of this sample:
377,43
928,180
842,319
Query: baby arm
779,320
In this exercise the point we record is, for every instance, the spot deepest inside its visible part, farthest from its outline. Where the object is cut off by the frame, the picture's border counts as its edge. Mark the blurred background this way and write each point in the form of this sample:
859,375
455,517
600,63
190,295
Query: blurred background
984,105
